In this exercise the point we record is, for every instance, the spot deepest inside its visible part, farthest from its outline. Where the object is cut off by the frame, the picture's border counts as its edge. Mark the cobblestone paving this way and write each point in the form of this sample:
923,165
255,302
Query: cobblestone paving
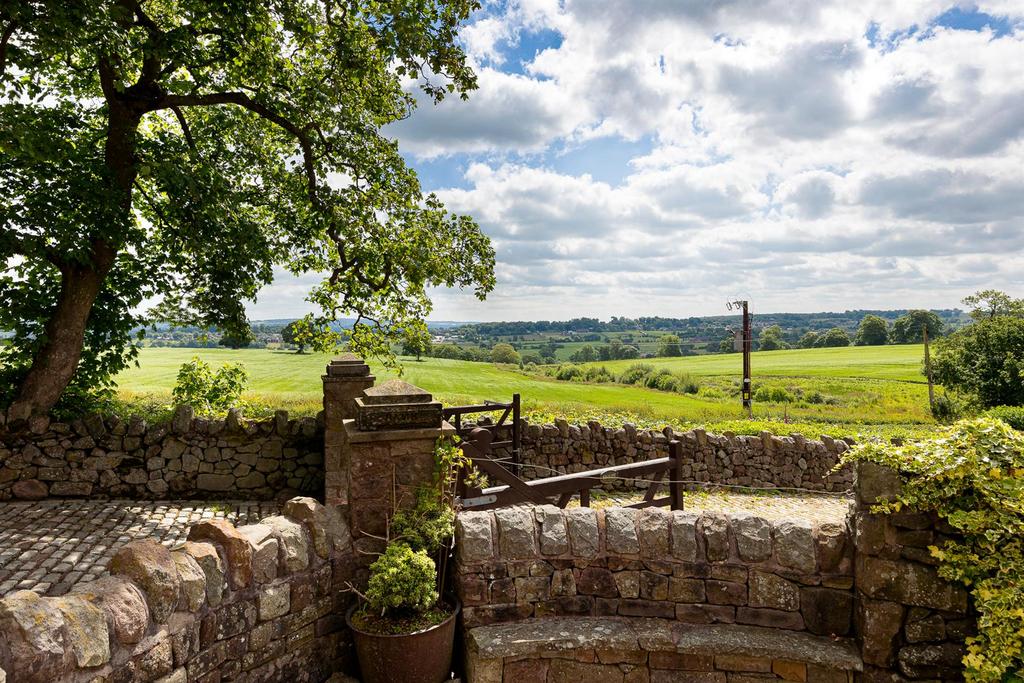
814,507
49,546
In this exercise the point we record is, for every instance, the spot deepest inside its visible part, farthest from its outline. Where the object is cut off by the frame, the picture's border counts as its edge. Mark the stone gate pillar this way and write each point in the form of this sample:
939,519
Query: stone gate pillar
347,377
909,619
385,453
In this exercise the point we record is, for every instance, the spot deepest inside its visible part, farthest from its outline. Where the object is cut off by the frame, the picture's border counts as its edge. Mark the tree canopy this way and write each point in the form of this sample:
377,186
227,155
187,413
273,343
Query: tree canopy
771,339
809,340
984,359
909,328
837,336
238,339
668,345
872,331
992,303
505,353
183,150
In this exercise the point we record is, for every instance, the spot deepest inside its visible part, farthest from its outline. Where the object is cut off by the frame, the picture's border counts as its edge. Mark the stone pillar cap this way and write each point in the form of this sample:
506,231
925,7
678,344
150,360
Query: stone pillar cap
397,405
395,391
348,365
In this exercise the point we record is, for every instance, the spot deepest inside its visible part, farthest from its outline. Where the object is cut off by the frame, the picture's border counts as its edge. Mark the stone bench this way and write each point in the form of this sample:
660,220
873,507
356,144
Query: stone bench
634,650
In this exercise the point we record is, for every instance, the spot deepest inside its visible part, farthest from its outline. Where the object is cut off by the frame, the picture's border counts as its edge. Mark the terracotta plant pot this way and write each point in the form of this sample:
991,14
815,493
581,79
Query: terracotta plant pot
420,657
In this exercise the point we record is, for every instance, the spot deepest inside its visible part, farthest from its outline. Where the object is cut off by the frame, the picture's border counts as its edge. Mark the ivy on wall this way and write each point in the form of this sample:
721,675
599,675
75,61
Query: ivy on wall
972,476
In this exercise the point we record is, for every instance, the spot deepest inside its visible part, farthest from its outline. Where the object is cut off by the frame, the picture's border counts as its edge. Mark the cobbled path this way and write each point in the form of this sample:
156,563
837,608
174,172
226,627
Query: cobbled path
775,505
49,546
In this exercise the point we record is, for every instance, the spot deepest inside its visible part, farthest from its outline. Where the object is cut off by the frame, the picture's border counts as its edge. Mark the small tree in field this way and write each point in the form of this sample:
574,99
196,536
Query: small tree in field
416,345
809,340
295,333
181,151
873,331
910,328
585,354
504,353
835,337
771,339
238,339
668,345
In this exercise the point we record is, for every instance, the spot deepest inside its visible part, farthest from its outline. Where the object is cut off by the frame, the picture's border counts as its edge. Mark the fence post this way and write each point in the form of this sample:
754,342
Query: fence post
675,452
516,436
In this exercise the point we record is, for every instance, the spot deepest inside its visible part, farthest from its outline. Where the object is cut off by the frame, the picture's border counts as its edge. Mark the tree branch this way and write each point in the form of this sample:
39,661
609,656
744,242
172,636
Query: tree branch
5,37
246,102
184,127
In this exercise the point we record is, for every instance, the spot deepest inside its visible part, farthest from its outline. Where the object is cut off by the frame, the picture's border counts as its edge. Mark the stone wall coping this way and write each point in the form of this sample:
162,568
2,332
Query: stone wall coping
355,435
552,634
546,531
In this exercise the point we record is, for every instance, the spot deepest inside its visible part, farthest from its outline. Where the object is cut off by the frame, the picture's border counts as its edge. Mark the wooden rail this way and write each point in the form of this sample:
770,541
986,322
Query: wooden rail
511,490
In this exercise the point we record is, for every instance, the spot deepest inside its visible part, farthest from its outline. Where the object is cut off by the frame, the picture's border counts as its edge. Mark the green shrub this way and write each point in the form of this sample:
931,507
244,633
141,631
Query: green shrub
599,375
971,476
635,374
569,373
1011,415
428,525
663,380
402,580
711,392
773,395
207,391
945,409
688,384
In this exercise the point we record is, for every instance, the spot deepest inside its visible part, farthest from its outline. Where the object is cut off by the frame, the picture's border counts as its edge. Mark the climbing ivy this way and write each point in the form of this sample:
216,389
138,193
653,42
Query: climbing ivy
972,475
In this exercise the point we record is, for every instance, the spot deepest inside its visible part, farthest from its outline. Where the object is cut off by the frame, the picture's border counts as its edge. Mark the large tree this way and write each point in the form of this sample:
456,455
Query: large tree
771,339
992,303
669,345
182,150
909,328
872,331
985,359
834,337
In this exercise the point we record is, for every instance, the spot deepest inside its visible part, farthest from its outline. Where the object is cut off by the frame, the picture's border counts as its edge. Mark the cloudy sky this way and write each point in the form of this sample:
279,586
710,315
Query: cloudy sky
658,157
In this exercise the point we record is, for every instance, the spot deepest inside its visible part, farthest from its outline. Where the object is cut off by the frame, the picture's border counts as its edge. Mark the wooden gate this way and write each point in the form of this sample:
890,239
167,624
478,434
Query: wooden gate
509,410
508,489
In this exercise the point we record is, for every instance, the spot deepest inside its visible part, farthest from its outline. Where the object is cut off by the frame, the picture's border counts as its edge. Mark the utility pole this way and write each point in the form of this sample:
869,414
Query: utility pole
746,345
928,369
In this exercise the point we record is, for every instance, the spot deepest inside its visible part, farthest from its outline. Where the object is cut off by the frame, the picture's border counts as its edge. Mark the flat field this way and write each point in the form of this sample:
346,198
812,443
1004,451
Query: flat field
835,391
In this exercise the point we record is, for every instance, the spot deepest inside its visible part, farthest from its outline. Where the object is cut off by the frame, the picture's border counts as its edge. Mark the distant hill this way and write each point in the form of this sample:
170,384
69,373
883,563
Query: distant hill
788,321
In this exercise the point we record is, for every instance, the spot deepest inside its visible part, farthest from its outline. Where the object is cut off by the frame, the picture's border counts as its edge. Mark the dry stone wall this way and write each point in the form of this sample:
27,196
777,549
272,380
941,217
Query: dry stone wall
727,459
911,621
523,562
262,602
187,457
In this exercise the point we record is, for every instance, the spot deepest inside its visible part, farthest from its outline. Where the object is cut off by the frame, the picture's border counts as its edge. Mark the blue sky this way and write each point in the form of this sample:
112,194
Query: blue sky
653,158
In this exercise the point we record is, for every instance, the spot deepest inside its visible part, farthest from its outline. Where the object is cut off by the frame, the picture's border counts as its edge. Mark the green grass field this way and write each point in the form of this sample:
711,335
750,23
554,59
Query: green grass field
869,390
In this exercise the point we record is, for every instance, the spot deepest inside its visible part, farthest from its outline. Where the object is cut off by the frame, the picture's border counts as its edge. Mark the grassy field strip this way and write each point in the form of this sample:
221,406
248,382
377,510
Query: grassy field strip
876,385
901,362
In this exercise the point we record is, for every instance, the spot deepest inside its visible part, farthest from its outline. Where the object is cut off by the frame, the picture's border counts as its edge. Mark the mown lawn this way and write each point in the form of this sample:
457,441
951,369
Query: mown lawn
869,390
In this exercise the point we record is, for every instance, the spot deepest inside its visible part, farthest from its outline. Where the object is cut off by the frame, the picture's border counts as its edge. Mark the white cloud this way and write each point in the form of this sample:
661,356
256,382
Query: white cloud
810,154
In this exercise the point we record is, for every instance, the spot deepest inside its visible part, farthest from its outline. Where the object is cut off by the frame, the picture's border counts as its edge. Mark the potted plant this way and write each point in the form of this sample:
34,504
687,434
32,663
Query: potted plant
404,625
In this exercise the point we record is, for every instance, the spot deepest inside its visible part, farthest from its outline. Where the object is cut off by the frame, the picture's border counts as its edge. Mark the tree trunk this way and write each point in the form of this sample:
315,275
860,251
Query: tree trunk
56,362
